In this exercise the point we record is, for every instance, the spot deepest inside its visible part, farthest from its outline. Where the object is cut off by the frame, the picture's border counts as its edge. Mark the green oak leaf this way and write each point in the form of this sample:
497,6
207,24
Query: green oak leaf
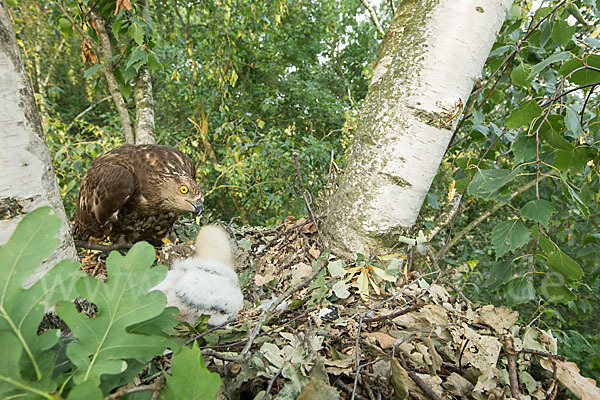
105,341
26,365
509,235
190,379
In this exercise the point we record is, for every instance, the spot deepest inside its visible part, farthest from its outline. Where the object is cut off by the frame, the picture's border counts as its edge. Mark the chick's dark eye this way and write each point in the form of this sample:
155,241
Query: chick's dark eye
184,189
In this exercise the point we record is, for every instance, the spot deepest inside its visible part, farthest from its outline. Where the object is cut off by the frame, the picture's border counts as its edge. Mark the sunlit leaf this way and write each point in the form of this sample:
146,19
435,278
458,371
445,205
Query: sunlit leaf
537,68
336,269
105,340
523,115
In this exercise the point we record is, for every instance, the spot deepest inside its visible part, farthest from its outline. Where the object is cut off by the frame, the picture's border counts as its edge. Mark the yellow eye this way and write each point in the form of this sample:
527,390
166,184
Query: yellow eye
184,189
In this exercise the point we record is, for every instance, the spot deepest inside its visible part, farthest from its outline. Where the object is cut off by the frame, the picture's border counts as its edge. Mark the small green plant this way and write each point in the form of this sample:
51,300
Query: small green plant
104,352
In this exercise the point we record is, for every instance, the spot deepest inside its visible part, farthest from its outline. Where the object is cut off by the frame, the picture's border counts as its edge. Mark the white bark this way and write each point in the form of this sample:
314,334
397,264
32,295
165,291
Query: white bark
144,107
27,179
431,56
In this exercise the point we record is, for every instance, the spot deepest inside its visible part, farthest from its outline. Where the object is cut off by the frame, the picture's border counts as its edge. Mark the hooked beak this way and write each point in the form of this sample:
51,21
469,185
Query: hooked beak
198,206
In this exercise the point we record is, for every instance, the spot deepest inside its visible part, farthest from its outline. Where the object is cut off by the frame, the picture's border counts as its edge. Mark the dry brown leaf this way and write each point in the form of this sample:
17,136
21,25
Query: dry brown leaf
309,228
88,53
314,251
123,4
317,389
260,280
289,221
385,341
568,374
299,272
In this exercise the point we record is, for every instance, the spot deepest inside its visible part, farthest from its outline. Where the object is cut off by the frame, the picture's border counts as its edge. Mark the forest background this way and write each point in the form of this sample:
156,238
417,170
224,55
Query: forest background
240,85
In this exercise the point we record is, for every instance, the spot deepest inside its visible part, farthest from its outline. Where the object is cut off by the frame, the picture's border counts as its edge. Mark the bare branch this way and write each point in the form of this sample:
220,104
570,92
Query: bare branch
373,17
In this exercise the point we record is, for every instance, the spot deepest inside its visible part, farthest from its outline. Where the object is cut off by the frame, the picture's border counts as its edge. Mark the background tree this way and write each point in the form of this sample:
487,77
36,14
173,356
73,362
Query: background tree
27,180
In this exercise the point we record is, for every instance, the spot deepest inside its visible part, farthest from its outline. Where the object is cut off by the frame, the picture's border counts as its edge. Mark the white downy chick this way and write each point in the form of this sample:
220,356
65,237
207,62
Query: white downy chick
205,283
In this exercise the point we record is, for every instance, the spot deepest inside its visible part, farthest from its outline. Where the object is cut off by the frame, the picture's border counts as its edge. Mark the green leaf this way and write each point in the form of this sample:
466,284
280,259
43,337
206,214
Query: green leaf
190,378
138,58
538,211
551,132
562,263
500,274
26,365
524,148
574,159
546,245
508,236
523,115
556,290
153,62
65,26
520,75
336,269
570,192
584,76
562,32
575,12
572,122
87,390
136,32
487,182
105,340
519,291
92,70
537,68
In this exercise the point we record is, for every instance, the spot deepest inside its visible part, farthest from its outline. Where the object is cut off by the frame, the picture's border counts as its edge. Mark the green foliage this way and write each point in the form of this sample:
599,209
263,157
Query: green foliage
191,380
104,341
26,366
539,125
130,327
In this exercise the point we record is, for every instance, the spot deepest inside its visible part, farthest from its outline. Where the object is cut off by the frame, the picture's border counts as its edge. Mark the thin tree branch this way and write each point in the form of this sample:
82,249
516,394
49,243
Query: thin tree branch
109,74
373,17
284,296
306,202
81,114
487,214
102,247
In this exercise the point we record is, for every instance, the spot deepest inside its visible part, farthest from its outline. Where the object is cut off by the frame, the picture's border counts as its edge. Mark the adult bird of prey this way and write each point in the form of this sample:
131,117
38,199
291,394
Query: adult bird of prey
136,192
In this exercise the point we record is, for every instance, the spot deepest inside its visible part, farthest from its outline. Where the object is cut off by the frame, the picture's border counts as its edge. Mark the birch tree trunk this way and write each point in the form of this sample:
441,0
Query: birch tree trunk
27,179
431,56
144,107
